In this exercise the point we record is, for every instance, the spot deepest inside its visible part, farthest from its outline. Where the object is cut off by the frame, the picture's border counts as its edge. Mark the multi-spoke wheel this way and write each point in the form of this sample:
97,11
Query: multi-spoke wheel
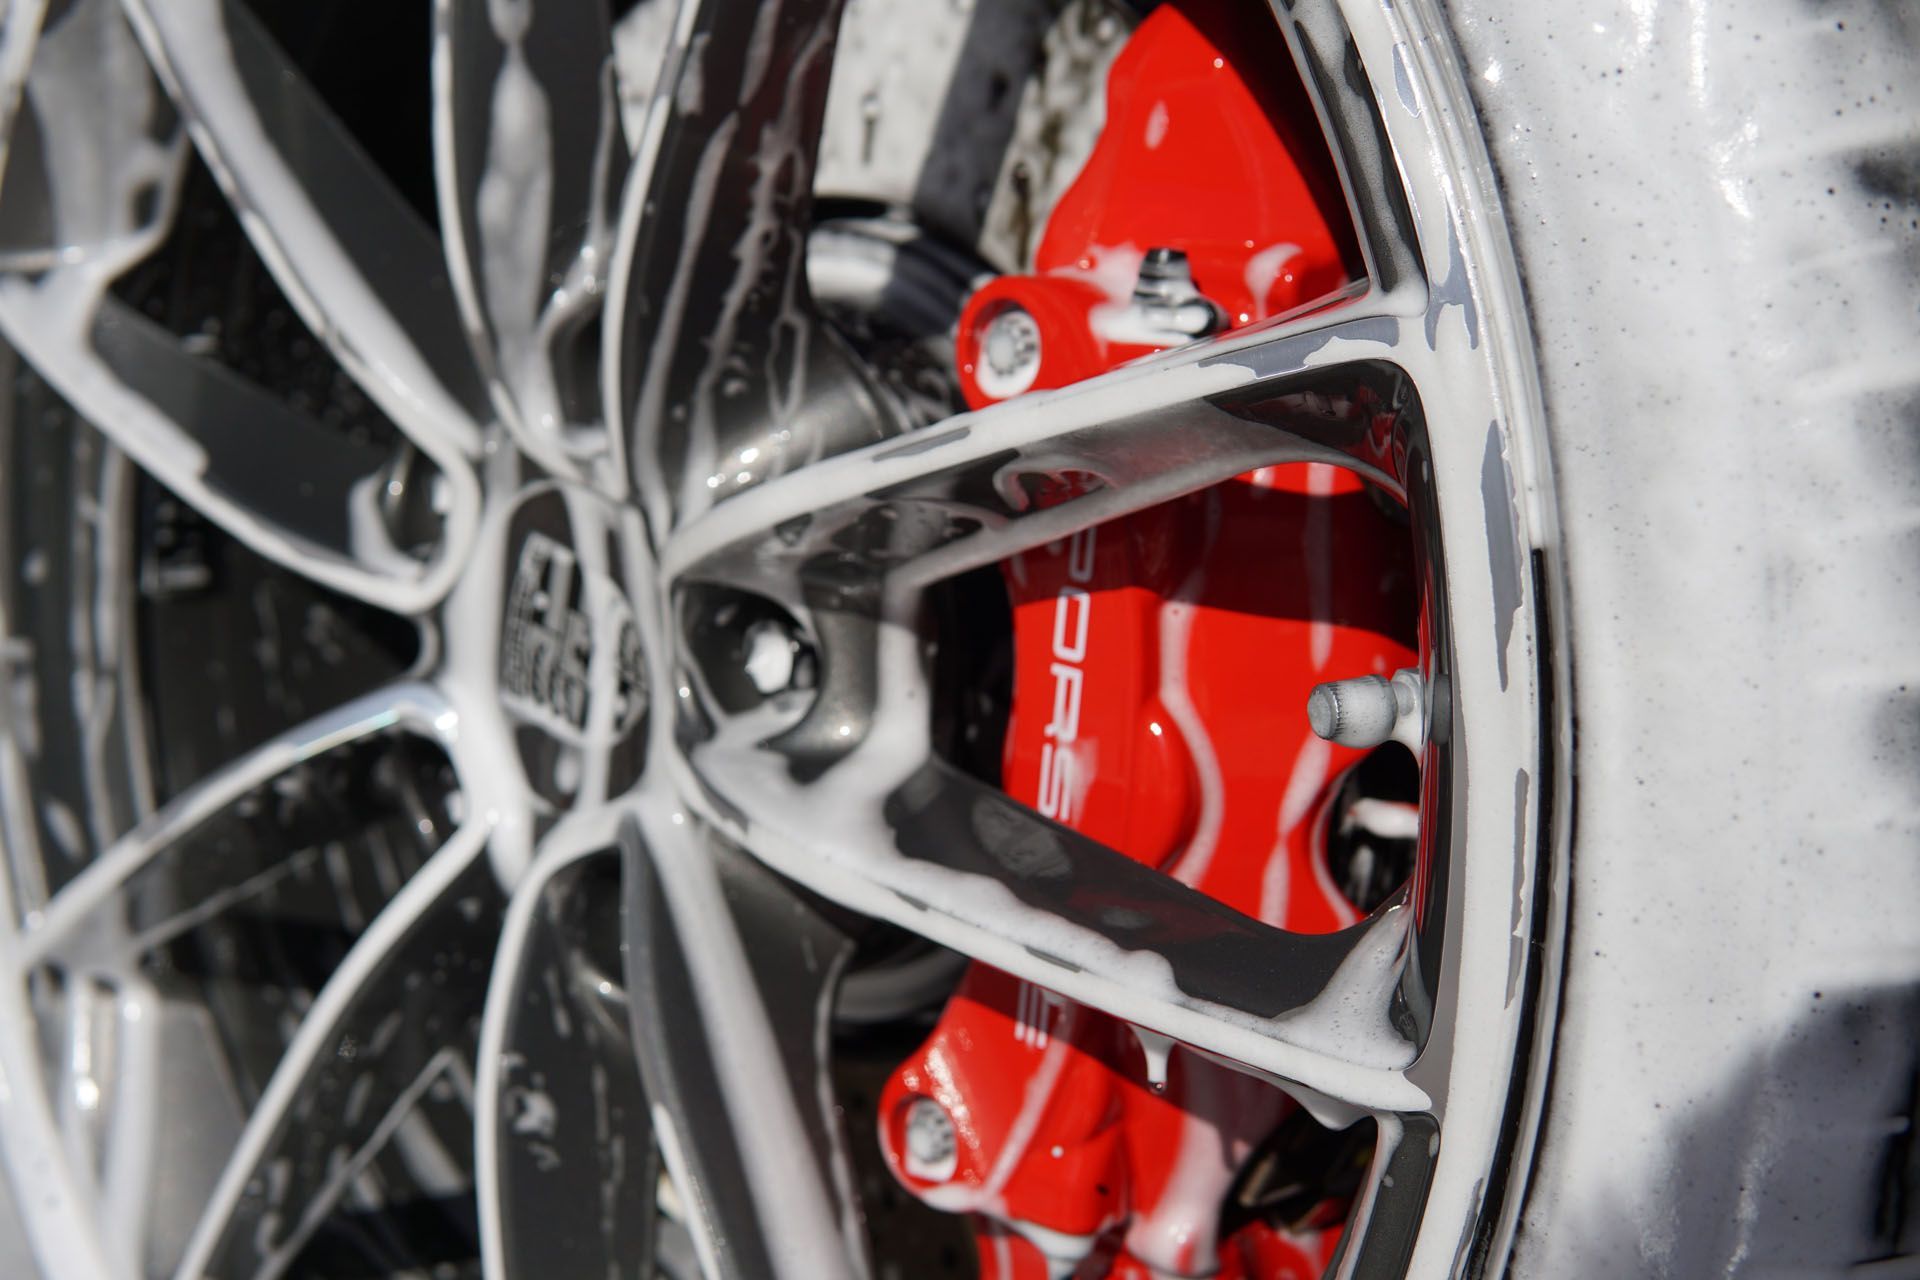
516,671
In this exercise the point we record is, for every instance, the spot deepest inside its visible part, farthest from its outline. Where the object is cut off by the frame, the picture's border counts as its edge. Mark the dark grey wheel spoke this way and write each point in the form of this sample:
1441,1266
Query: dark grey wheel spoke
365,270
755,1157
213,846
944,855
1379,1240
328,493
268,473
531,159
566,1164
947,819
260,454
1344,95
294,490
716,364
402,1009
984,485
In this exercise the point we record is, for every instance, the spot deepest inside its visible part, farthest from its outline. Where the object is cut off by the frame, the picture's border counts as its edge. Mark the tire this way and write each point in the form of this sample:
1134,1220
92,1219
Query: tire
1717,219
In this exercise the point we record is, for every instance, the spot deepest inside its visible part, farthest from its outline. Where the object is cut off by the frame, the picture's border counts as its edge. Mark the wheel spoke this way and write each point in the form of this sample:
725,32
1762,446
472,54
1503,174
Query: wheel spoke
389,1022
1341,88
101,916
848,543
258,455
530,158
19,31
564,1154
93,151
366,273
1376,104
984,485
716,367
1398,115
731,975
1379,1237
290,488
946,856
62,1231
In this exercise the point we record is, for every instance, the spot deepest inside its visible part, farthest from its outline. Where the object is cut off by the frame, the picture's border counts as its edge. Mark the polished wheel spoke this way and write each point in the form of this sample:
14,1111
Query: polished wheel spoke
392,1020
565,1164
366,272
297,492
716,366
946,856
1386,1215
731,975
19,30
391,530
94,150
984,485
1342,87
156,881
1398,113
38,1154
530,159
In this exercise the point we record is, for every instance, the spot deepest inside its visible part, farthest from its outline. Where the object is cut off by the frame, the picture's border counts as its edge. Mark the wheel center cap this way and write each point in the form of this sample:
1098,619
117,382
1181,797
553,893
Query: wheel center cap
571,675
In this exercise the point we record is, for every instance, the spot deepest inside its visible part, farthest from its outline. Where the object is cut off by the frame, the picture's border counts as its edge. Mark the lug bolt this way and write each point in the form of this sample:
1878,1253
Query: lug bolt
1167,298
1165,271
933,1151
772,654
1370,710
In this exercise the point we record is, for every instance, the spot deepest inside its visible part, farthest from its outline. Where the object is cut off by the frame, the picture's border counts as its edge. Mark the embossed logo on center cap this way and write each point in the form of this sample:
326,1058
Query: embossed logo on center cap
571,673
549,641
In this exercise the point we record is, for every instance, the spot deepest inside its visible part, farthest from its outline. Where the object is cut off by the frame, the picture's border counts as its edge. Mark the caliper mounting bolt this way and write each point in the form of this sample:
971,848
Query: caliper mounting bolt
1168,298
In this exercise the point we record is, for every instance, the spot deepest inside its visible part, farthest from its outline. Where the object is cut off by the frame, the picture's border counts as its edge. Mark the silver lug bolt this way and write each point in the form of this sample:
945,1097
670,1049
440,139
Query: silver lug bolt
1167,298
1370,710
771,655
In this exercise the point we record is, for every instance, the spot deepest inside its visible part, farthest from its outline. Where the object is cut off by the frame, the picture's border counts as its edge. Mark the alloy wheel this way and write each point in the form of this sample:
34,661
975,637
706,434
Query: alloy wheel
617,414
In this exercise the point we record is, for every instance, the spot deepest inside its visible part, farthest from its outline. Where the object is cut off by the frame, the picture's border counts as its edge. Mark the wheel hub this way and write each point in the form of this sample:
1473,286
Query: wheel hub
572,676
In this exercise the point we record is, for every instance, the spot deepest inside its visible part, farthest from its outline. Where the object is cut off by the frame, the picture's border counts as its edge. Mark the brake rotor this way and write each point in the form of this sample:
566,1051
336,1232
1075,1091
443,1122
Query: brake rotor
1160,662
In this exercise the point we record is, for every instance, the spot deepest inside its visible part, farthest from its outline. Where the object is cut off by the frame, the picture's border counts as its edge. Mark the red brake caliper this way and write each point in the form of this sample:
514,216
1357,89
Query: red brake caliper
1162,666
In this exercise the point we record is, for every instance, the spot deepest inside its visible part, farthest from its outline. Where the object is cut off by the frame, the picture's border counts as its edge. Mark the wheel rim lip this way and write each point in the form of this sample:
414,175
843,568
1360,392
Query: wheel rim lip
1536,728
1459,476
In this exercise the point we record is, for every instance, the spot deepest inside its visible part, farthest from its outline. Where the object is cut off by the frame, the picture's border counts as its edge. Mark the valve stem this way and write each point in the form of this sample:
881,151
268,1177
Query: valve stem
1369,710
